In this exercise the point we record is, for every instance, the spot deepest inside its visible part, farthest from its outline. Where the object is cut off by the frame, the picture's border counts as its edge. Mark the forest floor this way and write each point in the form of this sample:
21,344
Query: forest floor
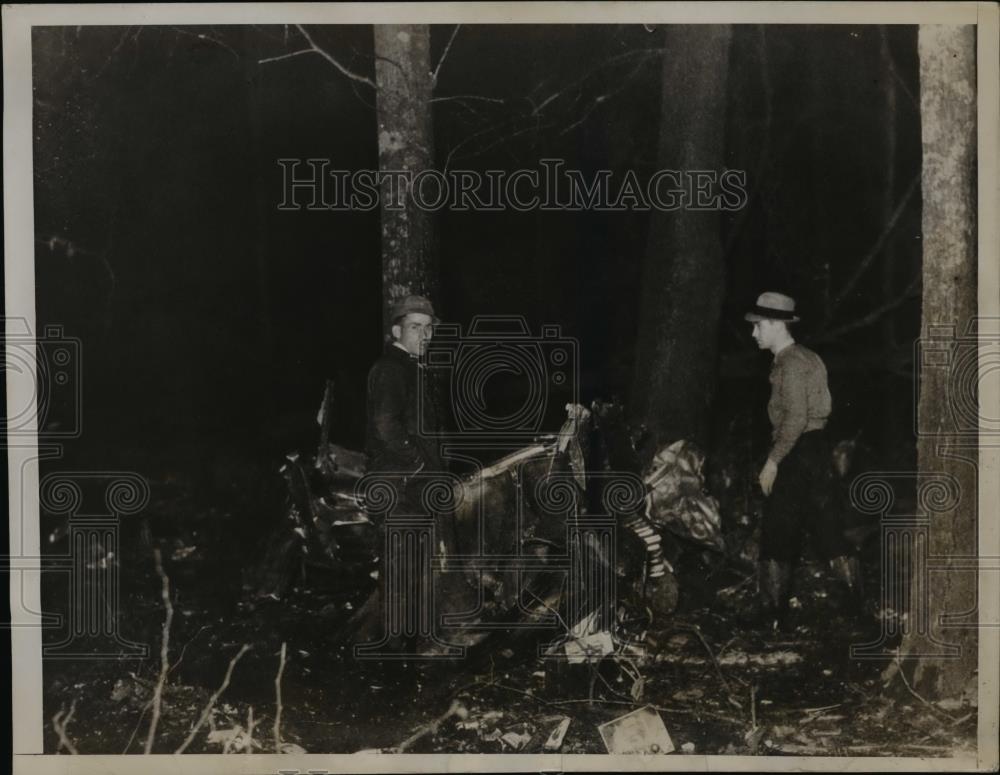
719,687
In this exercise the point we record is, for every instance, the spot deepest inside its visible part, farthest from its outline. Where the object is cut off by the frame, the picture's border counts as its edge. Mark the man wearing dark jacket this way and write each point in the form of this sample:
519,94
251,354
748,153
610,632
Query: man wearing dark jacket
396,414
402,448
797,477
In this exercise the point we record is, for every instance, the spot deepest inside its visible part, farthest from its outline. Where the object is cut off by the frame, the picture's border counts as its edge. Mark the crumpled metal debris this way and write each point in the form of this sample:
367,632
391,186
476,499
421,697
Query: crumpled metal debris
677,500
641,731
555,739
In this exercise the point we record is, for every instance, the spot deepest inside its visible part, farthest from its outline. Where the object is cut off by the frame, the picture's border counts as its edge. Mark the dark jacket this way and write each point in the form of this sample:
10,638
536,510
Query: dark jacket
398,436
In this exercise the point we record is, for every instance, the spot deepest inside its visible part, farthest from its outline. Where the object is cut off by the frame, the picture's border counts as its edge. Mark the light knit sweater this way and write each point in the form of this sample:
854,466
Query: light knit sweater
800,398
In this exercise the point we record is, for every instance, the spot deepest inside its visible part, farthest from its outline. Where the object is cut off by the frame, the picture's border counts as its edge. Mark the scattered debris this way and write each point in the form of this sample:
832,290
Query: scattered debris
589,648
678,501
516,740
555,739
641,731
456,709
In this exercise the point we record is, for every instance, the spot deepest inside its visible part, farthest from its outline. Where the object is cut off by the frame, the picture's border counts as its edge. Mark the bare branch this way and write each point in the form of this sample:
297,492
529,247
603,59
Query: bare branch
212,700
250,726
894,71
455,709
115,50
500,139
467,140
208,38
135,729
873,253
285,56
59,724
937,711
875,314
718,668
332,60
460,97
184,648
277,693
602,98
164,649
609,62
444,55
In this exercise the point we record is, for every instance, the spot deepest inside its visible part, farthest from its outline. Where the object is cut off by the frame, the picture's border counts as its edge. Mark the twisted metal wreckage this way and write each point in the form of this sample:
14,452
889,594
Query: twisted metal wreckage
550,537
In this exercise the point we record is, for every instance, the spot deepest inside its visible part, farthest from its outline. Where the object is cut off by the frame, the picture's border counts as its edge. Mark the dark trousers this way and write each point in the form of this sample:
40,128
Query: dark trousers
802,501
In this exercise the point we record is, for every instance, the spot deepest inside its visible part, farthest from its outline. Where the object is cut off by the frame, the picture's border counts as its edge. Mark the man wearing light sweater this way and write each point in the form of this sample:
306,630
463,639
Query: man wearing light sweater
797,477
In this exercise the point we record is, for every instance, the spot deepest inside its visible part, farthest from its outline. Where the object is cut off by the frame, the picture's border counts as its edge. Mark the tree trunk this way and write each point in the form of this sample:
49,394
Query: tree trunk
262,267
890,383
948,128
405,143
888,75
683,272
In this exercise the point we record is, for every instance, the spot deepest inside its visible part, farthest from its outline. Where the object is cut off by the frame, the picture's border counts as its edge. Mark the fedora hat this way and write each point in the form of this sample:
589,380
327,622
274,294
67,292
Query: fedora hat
773,306
405,305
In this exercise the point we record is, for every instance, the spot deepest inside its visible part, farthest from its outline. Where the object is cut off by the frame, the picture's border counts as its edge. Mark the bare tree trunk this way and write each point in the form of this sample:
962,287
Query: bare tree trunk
948,115
890,382
262,265
405,142
888,72
683,270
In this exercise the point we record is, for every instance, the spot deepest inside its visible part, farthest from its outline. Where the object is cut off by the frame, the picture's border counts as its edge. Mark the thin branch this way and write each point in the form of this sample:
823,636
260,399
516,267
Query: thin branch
59,724
495,685
209,38
277,693
469,139
602,98
609,62
332,60
135,729
894,71
388,61
250,726
873,253
444,55
285,56
164,649
184,648
718,668
911,690
455,709
875,314
550,609
212,700
115,50
500,140
460,97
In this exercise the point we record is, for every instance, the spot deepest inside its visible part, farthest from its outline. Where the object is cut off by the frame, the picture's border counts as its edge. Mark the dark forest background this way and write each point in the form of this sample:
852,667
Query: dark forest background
210,319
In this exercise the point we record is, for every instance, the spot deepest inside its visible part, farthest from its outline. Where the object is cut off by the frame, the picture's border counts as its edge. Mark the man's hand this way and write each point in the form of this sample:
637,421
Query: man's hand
767,474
